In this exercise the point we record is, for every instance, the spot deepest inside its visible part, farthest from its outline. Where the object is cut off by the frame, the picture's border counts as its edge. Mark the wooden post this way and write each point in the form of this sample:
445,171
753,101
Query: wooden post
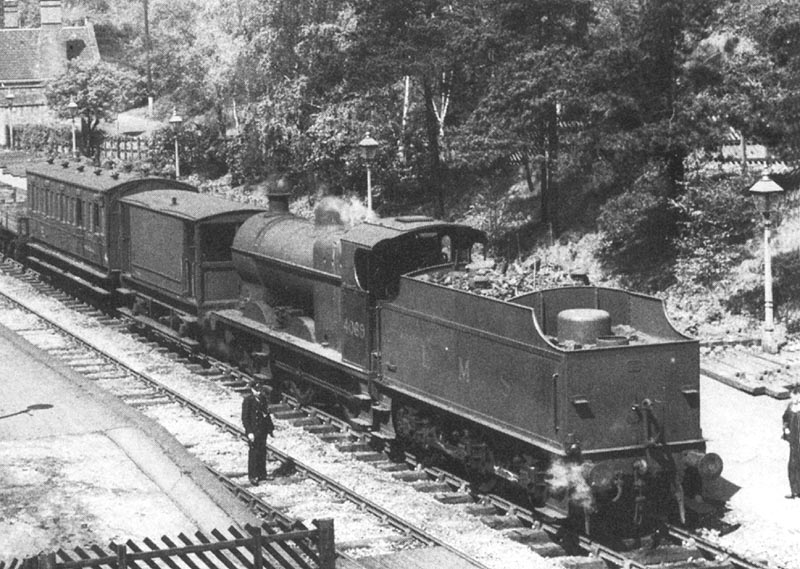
47,560
326,544
258,561
122,556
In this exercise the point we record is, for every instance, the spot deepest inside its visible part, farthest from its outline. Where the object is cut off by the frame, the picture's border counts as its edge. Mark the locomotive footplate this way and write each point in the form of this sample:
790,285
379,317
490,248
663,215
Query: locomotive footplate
305,348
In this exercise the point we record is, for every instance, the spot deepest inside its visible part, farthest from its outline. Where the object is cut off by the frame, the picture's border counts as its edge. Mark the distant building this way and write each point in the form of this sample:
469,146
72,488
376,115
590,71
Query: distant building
33,56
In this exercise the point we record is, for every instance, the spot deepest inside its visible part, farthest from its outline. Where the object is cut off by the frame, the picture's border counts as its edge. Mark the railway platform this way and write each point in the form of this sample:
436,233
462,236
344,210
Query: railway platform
79,467
745,430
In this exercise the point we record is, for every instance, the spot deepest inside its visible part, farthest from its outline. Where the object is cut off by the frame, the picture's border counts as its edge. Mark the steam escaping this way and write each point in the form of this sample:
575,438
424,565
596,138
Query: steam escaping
569,478
333,210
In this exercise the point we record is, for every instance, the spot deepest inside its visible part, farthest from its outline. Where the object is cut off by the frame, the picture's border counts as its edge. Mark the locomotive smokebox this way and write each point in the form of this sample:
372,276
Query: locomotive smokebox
583,325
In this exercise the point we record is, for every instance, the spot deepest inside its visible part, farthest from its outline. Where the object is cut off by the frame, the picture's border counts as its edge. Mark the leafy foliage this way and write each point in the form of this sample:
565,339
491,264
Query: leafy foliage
42,138
716,221
637,232
591,107
99,89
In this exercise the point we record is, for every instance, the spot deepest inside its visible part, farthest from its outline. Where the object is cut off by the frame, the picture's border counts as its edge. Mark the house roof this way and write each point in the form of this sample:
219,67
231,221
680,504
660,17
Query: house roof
40,54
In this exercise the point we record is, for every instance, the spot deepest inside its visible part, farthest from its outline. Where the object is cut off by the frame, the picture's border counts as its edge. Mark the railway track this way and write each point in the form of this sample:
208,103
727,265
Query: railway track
220,434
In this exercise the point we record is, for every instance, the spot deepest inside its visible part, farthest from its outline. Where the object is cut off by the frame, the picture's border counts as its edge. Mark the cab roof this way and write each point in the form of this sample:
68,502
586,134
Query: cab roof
187,205
371,233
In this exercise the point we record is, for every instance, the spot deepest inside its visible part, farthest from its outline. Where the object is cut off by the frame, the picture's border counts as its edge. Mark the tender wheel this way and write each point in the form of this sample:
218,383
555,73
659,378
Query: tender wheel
480,465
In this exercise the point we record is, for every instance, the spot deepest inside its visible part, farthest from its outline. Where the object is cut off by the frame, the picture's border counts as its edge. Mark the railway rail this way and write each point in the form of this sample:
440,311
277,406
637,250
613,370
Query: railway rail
116,375
525,525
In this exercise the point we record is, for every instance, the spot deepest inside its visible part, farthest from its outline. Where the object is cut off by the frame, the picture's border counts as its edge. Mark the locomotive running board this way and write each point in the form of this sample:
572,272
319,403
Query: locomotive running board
309,349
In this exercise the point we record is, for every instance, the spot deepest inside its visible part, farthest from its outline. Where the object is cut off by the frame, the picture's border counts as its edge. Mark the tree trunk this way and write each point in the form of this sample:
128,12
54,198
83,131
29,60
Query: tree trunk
548,169
434,161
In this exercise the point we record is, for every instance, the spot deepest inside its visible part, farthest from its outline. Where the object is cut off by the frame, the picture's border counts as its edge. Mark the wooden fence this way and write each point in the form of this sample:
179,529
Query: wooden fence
129,149
265,547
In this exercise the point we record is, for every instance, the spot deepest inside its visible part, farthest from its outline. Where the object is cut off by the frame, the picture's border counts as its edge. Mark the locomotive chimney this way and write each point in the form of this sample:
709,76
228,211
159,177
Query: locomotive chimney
278,193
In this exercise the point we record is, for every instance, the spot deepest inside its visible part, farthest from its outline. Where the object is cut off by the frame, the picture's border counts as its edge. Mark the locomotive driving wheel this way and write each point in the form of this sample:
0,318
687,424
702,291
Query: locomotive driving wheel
301,391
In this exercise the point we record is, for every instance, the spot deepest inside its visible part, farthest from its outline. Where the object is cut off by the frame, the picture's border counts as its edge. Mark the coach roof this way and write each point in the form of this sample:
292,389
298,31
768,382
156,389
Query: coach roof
84,176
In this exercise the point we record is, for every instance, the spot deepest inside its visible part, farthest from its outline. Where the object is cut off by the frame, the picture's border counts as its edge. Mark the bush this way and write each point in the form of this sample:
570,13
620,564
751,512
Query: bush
716,220
200,146
42,138
638,229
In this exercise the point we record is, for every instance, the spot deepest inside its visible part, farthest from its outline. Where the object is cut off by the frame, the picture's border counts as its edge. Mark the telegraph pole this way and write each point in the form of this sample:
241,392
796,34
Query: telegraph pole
149,70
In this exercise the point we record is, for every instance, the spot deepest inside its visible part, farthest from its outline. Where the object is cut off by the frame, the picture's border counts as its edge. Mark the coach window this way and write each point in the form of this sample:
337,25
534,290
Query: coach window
216,241
96,225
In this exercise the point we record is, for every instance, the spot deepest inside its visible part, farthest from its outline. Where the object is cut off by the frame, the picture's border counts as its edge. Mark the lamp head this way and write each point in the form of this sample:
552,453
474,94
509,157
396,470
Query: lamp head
175,120
766,194
369,147
72,106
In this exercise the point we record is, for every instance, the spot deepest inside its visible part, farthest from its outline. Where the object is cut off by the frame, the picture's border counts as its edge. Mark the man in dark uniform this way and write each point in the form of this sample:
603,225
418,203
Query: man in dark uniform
257,425
791,433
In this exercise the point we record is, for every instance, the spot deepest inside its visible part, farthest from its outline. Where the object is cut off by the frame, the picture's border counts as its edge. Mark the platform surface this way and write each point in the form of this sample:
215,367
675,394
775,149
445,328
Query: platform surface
79,467
424,558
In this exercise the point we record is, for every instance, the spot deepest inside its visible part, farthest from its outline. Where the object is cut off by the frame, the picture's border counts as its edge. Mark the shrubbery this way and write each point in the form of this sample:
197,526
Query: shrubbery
42,138
693,239
200,146
715,221
638,233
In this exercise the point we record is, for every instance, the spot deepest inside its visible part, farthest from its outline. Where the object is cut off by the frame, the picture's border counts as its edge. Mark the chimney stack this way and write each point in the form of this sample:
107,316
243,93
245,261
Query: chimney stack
50,12
11,14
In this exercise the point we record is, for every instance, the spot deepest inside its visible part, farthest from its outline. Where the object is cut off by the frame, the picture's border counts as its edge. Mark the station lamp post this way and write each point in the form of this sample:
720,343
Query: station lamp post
767,194
72,107
10,105
175,121
369,147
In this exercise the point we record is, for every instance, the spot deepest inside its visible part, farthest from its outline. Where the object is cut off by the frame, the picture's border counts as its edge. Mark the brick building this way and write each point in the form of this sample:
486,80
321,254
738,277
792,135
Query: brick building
33,56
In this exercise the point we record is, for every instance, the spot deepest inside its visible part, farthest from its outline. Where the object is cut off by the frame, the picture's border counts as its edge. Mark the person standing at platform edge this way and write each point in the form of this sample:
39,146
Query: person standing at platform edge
791,433
258,425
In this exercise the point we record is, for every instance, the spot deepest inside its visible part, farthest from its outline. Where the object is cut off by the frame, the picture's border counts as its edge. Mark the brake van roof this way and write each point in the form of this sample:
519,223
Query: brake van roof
187,205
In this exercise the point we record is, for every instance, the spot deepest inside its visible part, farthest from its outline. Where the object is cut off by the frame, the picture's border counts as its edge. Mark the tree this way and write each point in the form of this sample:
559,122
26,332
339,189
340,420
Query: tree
99,89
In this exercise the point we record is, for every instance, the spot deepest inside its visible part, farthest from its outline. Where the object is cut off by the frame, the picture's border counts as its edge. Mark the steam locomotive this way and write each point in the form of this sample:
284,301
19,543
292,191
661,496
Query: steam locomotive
584,398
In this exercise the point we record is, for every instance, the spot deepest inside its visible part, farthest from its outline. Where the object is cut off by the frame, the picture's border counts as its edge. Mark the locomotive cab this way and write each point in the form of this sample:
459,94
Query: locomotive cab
378,269
374,258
